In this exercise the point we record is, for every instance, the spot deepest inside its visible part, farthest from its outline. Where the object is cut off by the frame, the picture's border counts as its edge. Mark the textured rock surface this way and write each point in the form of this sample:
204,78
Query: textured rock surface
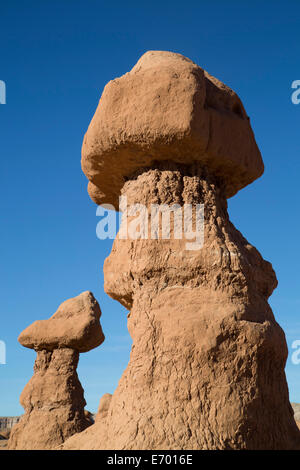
74,325
168,108
296,408
53,399
103,407
5,433
206,368
3,444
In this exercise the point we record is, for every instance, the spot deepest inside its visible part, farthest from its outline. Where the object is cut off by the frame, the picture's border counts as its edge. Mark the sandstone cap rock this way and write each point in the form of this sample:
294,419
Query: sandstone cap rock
74,325
168,108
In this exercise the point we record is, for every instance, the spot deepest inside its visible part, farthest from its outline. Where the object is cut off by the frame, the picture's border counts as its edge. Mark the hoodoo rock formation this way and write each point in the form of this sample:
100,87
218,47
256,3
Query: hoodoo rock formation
103,406
206,369
53,399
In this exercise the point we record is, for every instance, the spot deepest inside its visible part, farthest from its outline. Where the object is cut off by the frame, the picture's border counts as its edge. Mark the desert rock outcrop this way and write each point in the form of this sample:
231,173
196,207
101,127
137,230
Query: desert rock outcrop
54,399
74,325
103,407
296,408
206,369
168,108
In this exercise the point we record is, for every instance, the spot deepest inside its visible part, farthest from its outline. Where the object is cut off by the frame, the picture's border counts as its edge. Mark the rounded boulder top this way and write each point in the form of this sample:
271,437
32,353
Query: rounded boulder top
168,108
74,325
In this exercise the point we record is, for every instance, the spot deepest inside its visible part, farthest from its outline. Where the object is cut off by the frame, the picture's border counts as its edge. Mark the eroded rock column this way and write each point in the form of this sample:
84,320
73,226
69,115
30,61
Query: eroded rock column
53,399
207,364
206,369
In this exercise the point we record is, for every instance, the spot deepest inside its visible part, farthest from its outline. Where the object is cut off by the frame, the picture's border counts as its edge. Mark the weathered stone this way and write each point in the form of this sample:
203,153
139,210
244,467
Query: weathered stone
103,407
168,108
206,369
74,325
53,399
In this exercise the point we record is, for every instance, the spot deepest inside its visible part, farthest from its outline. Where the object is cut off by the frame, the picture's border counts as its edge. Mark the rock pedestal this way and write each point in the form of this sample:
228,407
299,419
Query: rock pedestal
53,399
206,369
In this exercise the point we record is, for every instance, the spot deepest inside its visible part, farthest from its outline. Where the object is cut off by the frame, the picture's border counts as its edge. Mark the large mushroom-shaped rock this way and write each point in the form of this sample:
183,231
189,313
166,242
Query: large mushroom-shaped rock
168,108
54,399
206,369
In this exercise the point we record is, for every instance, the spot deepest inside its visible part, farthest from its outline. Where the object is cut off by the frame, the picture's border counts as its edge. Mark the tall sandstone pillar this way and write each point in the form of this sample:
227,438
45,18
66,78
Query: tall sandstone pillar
206,369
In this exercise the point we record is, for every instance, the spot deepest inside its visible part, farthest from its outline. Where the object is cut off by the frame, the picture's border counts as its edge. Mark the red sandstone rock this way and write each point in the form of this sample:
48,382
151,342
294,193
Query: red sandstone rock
54,399
206,369
103,407
168,108
74,325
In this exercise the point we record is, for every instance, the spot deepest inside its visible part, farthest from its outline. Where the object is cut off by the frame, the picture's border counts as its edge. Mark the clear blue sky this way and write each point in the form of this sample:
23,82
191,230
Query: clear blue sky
56,57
